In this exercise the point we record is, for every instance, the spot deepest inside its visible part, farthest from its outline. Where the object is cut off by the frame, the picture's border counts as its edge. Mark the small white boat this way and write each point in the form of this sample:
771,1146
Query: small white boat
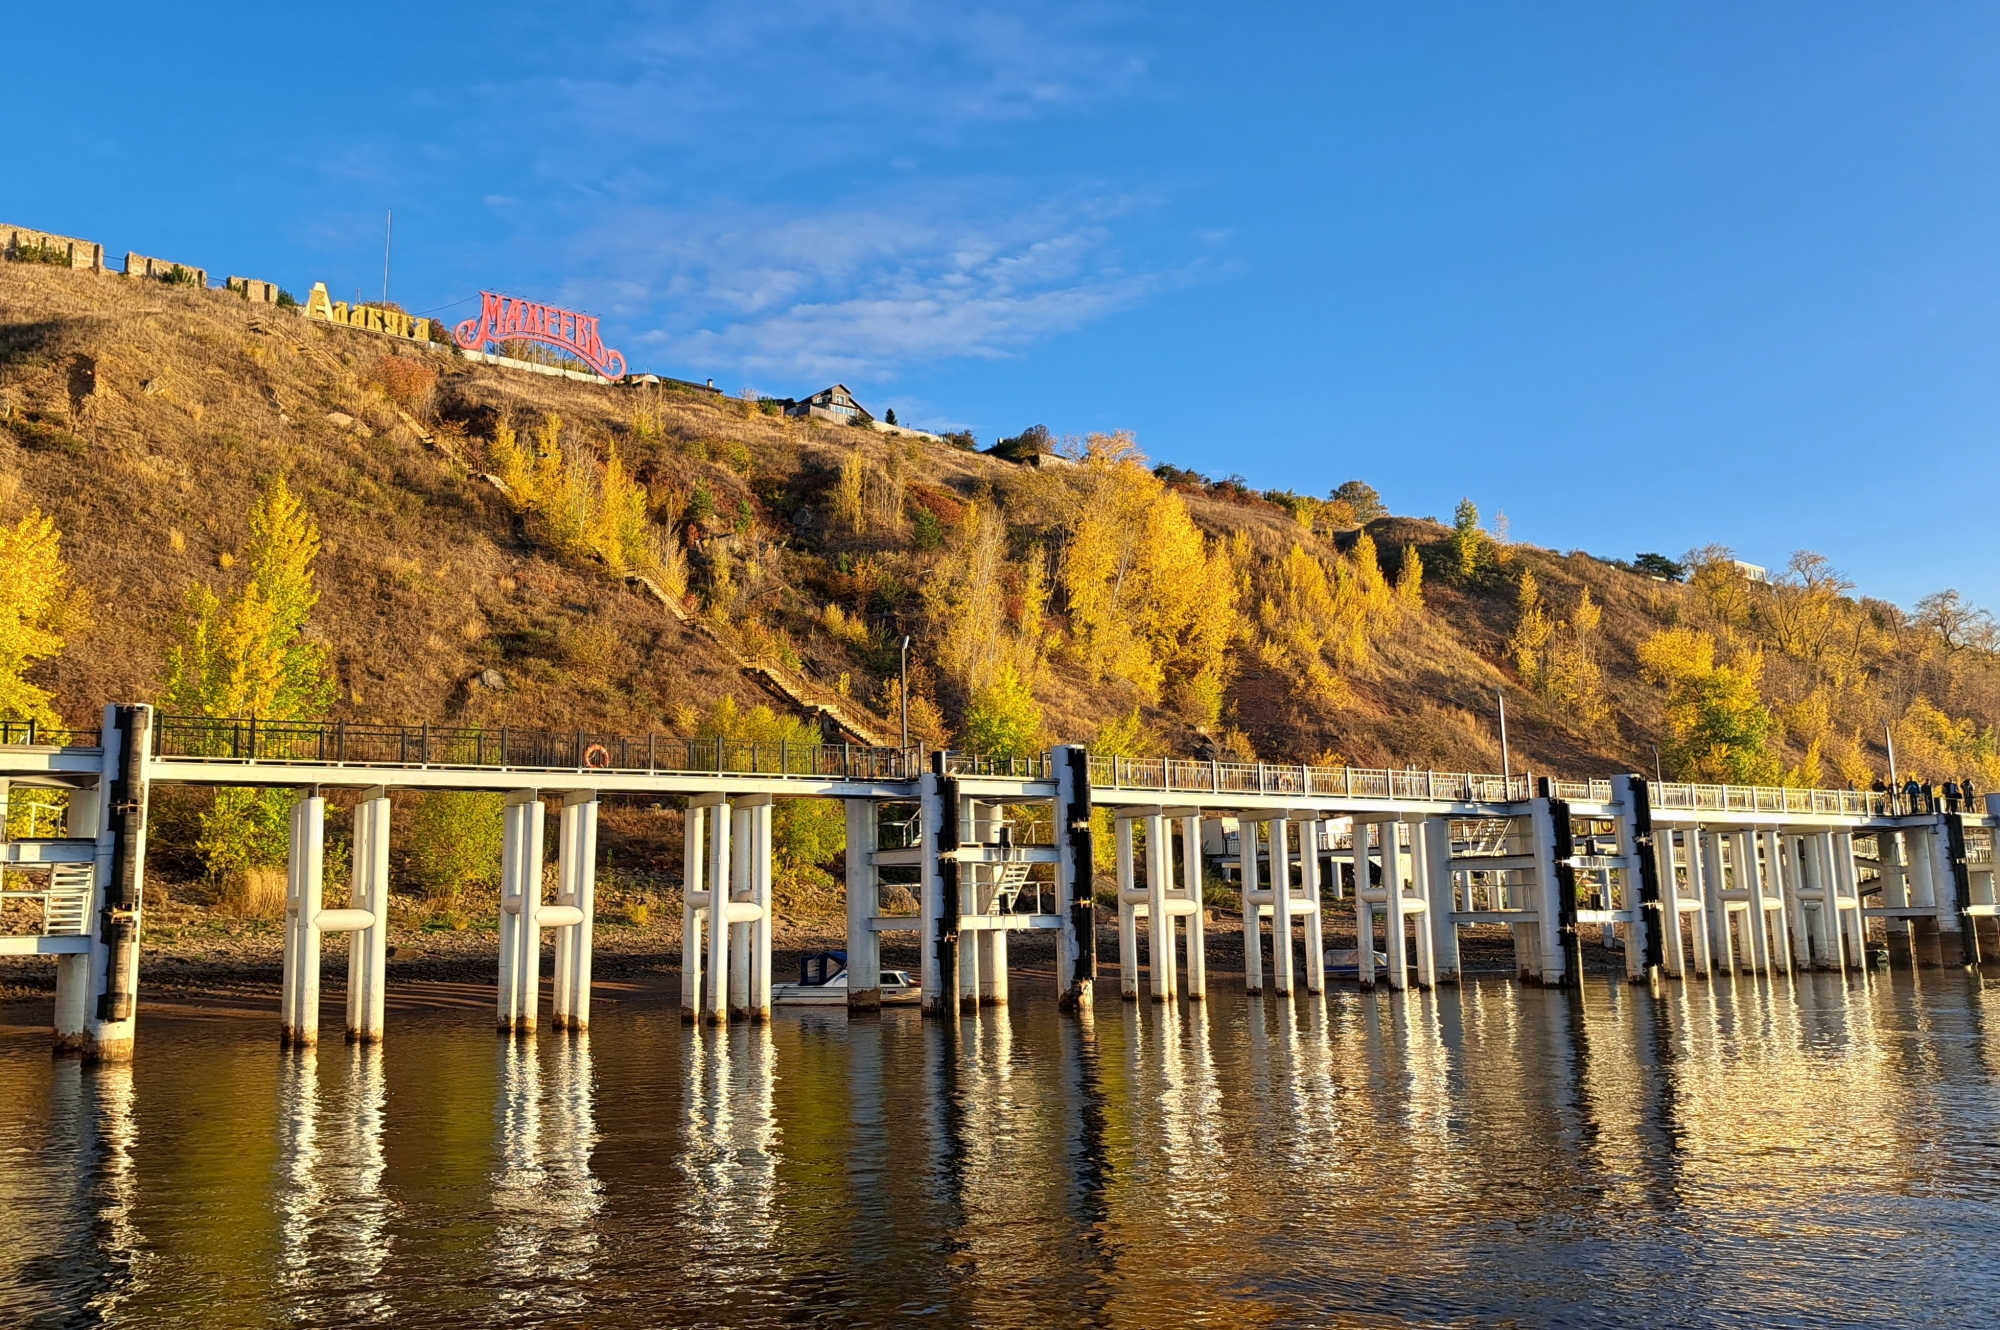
1345,962
823,983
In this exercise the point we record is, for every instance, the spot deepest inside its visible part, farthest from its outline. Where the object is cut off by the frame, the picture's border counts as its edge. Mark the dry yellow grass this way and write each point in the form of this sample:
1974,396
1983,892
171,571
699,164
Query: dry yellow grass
146,417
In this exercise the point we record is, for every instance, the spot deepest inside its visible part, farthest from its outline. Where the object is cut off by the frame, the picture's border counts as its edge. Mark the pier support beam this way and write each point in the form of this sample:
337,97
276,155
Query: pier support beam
1555,885
704,813
574,913
118,887
1076,945
864,902
1440,896
520,903
1281,905
937,814
304,886
1246,869
368,949
1197,953
1159,924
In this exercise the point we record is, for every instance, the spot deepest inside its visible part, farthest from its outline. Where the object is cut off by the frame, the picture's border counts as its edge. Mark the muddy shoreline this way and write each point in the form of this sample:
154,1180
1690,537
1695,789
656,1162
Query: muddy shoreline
191,950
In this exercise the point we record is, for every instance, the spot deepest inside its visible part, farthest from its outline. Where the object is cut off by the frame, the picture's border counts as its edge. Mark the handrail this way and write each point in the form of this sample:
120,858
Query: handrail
32,734
1770,799
1180,775
341,743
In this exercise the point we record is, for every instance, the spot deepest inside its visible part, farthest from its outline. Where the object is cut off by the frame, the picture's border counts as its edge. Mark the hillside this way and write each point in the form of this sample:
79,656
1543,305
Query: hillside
146,418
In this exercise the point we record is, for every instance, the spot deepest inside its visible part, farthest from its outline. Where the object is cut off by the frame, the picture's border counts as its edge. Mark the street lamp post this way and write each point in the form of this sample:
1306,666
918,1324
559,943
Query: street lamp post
903,689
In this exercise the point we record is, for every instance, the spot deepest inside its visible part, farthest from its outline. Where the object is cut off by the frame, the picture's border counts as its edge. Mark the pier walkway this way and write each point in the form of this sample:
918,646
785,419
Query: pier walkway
1690,880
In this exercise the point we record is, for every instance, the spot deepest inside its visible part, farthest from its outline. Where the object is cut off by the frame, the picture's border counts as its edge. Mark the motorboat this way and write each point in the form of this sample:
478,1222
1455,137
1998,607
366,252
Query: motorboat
1345,962
823,983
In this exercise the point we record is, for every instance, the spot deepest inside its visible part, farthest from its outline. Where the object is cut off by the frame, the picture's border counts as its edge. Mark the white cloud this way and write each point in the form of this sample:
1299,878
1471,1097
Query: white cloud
856,292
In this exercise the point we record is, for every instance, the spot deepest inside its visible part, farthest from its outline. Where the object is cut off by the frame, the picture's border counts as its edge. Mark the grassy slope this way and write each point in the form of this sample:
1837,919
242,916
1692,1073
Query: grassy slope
181,403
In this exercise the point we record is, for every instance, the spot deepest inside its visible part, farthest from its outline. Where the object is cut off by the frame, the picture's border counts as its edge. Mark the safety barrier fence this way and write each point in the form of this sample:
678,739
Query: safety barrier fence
336,743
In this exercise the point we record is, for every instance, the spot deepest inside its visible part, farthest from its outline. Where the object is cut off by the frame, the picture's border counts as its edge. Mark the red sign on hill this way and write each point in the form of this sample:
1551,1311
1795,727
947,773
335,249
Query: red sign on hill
505,319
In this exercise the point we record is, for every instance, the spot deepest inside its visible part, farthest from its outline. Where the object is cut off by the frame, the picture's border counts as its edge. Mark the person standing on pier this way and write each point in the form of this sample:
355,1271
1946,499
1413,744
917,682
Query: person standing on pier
1951,796
1912,793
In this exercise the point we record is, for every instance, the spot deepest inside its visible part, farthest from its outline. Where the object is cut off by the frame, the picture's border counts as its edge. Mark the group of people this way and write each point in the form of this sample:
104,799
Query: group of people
1920,796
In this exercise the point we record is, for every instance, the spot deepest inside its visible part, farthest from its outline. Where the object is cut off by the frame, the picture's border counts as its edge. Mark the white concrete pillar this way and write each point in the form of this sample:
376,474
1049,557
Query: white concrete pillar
576,875
1191,866
1778,868
520,907
721,829
1441,897
1253,928
1308,833
1281,906
1420,880
1128,925
1717,850
1396,943
742,890
1673,961
1159,924
758,989
1804,915
305,864
1854,923
1700,884
368,891
694,901
1370,841
864,902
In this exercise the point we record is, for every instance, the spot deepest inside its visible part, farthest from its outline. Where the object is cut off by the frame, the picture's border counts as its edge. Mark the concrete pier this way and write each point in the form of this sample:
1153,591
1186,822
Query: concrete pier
1687,881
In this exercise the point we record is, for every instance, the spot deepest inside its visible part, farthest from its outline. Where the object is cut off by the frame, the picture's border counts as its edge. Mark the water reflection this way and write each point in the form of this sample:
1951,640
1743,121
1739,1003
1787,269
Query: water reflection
544,1196
728,1160
333,1216
1725,1152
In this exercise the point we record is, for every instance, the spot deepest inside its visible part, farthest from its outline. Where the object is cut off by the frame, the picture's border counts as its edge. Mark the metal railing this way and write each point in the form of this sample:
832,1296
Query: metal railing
337,743
1582,791
1178,775
64,896
30,734
1769,799
1037,767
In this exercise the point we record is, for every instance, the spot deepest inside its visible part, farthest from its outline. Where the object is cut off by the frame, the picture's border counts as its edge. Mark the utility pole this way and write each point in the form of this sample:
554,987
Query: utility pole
903,690
1895,792
1506,765
388,233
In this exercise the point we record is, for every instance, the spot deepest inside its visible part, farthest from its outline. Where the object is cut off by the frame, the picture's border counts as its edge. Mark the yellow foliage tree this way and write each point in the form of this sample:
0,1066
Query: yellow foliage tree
1150,601
32,575
1717,726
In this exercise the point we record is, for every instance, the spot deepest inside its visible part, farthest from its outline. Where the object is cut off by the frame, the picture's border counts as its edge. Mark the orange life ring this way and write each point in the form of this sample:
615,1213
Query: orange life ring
597,757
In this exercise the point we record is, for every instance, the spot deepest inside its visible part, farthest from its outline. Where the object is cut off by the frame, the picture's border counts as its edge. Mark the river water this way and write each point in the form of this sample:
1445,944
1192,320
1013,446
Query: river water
1824,1152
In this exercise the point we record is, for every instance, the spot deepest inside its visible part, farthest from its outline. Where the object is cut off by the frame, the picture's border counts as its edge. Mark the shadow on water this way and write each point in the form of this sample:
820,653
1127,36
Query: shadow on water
1807,1151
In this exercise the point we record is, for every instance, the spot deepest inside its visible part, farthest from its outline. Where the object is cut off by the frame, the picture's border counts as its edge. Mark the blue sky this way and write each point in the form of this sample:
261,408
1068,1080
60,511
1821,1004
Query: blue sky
1643,278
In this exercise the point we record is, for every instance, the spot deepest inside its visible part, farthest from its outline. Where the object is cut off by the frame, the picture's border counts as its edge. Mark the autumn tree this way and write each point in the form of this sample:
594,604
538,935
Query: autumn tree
1004,719
33,605
1717,726
246,654
1151,601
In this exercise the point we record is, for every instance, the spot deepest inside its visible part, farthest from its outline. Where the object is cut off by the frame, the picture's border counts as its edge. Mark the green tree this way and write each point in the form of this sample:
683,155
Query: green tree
805,833
1718,728
1361,500
455,841
31,609
1004,720
1468,542
246,655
